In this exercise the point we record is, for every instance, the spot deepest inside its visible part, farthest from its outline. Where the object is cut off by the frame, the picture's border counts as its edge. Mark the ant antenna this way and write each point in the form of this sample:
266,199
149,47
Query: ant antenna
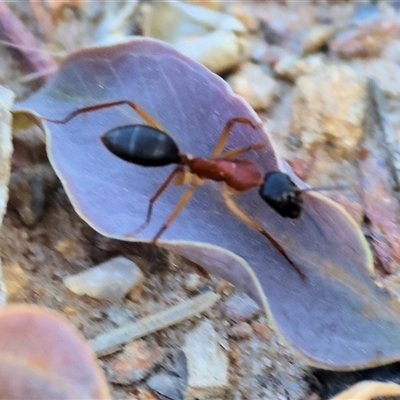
327,188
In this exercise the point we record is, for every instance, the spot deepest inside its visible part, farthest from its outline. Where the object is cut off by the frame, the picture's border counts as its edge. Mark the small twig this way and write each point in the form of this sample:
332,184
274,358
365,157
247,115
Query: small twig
36,75
109,342
393,155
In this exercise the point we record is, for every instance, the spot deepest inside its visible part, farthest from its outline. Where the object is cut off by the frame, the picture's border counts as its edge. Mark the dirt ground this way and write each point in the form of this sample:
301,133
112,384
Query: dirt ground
34,269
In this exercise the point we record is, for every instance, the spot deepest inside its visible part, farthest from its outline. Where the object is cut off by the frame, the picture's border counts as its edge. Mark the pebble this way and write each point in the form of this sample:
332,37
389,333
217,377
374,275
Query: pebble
385,73
262,330
71,250
224,287
245,15
143,394
135,362
207,364
328,110
241,308
214,39
192,282
252,83
70,311
136,293
292,66
16,280
316,38
270,34
29,190
220,51
242,330
6,147
366,40
111,280
259,51
170,386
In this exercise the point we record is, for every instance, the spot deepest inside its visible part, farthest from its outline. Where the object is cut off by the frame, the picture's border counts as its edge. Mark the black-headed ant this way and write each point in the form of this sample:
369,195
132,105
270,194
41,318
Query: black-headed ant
150,146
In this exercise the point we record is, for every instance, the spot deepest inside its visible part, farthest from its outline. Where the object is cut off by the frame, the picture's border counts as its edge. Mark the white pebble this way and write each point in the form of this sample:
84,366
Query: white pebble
252,83
111,280
207,363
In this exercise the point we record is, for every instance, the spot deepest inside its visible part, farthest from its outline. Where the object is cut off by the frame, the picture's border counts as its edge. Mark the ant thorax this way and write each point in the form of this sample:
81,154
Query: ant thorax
183,177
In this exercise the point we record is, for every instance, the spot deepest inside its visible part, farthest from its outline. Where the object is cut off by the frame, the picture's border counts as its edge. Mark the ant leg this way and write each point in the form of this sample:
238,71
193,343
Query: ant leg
235,209
146,116
175,212
226,132
240,150
153,199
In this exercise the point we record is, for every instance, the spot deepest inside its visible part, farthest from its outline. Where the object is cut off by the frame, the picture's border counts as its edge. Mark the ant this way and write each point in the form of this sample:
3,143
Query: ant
150,146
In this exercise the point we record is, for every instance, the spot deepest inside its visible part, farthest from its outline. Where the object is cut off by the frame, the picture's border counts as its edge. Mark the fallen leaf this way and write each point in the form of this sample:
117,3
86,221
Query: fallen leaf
336,318
44,357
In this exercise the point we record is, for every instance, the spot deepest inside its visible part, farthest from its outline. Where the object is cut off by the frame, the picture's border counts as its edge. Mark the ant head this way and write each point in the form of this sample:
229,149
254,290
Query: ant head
279,192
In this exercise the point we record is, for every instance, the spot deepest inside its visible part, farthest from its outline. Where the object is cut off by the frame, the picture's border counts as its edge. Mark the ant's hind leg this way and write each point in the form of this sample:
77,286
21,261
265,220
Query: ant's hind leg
175,212
227,131
144,114
153,199
235,209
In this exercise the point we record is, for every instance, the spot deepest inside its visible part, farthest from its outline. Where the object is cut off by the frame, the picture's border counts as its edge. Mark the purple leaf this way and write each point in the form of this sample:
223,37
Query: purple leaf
337,318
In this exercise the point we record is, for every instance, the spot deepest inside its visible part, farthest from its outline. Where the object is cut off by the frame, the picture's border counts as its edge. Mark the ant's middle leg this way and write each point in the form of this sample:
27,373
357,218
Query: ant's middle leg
187,195
153,199
227,131
145,115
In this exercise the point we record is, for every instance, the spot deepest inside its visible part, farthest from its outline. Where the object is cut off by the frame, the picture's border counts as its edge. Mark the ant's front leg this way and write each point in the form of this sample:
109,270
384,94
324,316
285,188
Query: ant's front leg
145,115
227,131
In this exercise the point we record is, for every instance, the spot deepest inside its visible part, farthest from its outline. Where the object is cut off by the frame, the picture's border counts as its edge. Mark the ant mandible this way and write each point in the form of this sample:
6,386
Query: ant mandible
150,146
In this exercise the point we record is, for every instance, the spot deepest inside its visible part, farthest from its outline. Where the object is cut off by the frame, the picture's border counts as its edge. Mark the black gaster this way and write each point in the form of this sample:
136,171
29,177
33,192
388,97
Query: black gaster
279,192
142,145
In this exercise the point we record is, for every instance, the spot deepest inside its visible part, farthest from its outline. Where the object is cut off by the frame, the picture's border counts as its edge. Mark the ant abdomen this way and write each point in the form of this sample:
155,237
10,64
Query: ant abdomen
142,145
